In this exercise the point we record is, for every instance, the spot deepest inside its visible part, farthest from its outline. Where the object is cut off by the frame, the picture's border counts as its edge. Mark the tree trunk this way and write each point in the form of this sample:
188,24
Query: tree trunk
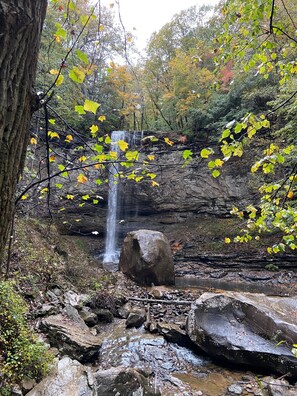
21,23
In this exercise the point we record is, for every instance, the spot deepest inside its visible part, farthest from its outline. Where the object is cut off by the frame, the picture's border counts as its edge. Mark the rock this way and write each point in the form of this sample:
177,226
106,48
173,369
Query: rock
123,381
235,389
136,319
70,338
104,315
146,258
278,387
246,329
123,312
72,298
73,314
70,378
46,309
89,317
174,333
28,384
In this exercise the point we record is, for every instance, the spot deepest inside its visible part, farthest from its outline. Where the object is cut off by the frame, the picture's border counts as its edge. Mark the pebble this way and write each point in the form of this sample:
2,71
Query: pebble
235,389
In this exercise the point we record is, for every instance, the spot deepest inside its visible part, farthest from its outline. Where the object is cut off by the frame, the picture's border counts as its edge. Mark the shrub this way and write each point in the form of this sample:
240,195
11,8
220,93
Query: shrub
21,354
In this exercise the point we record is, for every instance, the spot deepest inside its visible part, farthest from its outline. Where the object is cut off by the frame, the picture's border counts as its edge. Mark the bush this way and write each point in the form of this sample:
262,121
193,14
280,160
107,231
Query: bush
21,354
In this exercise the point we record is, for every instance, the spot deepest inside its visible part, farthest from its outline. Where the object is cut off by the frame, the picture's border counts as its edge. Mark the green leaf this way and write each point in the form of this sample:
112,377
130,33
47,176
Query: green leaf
80,109
187,154
216,173
82,56
205,153
77,75
60,32
59,80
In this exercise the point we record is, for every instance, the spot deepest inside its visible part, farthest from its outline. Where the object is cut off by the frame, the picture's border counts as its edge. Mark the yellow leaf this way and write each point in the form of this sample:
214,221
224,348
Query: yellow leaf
123,145
54,72
151,157
59,81
82,158
168,141
58,39
155,184
102,118
69,196
227,240
24,197
81,178
98,166
94,129
91,106
33,140
290,194
69,138
52,158
101,27
53,135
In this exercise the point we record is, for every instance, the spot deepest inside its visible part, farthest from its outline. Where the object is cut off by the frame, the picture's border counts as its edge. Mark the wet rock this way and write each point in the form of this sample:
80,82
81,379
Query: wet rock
89,317
72,314
245,329
147,259
70,378
123,381
72,298
104,315
123,312
173,333
136,319
70,338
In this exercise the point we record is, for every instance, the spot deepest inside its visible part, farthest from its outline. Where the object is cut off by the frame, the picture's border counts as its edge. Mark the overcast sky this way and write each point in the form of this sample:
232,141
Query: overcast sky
148,16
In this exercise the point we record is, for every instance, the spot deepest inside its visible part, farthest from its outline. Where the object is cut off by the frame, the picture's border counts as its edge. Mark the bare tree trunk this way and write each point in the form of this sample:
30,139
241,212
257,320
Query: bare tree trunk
20,32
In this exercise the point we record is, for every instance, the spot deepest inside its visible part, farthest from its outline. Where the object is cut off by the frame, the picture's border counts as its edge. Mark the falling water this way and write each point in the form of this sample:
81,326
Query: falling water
111,254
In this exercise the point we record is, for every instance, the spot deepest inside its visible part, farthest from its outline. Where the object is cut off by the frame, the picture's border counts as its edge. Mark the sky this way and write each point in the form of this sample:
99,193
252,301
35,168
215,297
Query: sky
148,16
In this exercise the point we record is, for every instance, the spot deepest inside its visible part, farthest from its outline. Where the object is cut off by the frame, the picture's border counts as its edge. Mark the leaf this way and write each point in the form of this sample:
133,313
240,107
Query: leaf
290,194
33,140
168,141
53,135
77,75
205,153
227,240
81,178
68,138
70,196
54,72
82,158
155,184
102,118
60,32
187,154
59,80
80,109
52,121
216,173
91,106
151,157
123,145
94,129
82,56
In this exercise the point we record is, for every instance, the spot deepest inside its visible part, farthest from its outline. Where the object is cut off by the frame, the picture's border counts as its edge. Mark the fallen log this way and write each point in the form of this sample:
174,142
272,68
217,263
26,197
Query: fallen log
156,301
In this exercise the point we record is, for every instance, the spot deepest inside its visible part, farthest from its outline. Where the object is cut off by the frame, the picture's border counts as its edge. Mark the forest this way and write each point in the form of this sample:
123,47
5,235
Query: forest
214,84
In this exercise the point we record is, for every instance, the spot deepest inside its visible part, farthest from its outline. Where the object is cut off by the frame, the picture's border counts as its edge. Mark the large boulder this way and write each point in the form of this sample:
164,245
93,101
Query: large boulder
250,329
146,258
71,338
123,381
69,378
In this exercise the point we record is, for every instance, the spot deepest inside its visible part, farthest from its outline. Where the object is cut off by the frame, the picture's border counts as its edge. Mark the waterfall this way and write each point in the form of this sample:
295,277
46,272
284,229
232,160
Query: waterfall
111,254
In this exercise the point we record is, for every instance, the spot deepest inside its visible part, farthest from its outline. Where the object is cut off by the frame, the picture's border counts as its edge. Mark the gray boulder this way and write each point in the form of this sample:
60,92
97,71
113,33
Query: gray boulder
146,258
250,329
123,381
70,338
69,378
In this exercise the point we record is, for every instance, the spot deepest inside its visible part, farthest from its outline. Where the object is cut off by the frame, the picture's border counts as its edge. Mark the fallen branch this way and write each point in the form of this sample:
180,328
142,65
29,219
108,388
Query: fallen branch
155,301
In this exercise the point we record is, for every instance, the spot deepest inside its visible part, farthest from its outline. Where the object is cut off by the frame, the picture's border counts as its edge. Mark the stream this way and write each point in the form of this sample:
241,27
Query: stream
176,370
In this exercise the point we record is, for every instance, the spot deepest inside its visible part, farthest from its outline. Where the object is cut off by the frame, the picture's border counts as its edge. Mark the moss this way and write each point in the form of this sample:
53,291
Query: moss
21,354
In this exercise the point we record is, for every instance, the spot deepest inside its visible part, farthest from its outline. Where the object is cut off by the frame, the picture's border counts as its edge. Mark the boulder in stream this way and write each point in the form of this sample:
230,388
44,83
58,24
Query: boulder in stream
146,258
250,329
